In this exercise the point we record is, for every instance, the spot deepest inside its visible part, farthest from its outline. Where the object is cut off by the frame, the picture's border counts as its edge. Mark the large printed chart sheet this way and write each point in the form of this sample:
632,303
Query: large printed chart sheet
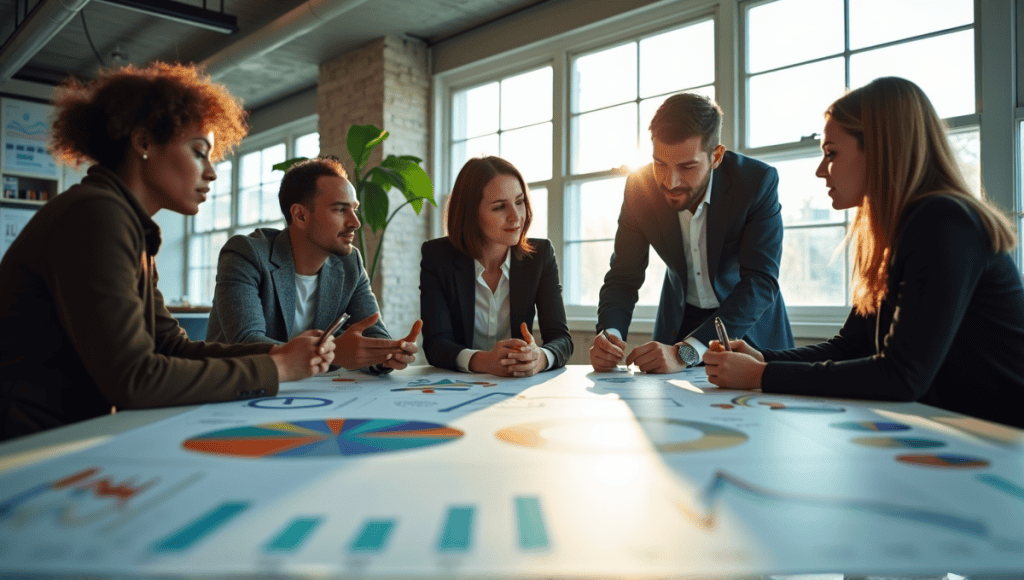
570,474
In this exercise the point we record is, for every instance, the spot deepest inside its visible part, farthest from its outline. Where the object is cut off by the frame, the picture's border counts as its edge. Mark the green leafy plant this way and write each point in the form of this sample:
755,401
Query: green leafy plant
372,184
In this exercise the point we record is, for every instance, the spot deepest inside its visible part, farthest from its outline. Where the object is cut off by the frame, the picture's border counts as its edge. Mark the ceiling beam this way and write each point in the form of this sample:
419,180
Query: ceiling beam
179,12
295,23
38,28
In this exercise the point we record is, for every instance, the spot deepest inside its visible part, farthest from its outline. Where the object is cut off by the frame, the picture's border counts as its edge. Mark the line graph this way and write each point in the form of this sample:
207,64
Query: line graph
723,484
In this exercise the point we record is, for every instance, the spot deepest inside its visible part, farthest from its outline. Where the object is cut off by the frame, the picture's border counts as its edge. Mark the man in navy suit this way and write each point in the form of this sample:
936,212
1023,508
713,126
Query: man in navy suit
713,216
275,284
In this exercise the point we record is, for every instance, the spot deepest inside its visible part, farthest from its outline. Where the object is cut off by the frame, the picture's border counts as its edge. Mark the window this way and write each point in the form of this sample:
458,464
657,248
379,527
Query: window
773,74
243,198
510,118
791,78
614,93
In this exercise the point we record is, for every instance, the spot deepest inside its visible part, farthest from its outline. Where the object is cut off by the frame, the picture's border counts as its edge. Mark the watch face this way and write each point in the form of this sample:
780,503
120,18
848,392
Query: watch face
688,354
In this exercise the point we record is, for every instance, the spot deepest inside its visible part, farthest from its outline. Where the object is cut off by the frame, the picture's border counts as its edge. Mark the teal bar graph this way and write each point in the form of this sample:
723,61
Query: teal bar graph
457,534
1003,484
532,535
373,537
202,527
293,535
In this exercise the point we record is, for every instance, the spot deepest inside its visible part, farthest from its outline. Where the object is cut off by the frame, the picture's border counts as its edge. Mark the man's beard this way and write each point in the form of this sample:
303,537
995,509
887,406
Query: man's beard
679,203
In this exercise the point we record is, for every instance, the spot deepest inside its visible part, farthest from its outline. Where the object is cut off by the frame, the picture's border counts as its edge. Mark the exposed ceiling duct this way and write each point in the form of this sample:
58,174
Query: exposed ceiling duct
293,24
45,21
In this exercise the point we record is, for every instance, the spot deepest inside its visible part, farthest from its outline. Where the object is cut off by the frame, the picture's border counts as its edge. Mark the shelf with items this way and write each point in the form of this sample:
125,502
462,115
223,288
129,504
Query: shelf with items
33,190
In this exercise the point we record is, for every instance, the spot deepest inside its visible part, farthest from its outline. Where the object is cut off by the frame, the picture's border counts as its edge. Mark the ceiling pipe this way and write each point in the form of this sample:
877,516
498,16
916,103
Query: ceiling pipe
45,21
295,23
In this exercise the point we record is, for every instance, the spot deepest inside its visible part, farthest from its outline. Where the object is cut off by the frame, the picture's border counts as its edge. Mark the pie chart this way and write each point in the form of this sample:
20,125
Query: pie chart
322,438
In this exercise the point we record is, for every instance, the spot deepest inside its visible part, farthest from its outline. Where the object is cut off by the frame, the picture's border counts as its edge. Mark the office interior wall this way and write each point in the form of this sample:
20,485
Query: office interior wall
386,84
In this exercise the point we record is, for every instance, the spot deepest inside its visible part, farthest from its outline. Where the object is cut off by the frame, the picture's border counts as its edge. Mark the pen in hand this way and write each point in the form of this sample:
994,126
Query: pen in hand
332,329
722,336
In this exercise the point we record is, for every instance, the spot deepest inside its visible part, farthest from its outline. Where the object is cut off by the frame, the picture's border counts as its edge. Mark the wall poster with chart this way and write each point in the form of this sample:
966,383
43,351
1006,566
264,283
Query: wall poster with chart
26,133
431,474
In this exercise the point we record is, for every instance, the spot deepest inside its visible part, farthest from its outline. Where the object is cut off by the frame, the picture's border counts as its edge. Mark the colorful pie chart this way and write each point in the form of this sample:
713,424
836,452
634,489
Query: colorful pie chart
322,438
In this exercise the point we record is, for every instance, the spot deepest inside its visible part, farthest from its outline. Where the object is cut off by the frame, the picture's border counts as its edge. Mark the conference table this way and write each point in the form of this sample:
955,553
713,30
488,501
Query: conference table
426,473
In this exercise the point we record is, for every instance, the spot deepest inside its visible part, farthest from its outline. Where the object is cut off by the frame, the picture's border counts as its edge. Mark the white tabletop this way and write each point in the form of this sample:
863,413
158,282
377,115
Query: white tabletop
427,473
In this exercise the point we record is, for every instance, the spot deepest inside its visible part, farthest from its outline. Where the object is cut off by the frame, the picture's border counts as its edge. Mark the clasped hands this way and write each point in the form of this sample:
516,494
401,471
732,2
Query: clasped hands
304,356
511,358
740,369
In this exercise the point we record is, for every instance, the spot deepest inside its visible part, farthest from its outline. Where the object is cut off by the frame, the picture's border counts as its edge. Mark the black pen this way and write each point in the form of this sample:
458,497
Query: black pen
722,336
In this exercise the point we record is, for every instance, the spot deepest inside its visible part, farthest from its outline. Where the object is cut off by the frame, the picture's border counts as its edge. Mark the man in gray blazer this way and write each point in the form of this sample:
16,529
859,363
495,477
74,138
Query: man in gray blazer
714,218
275,284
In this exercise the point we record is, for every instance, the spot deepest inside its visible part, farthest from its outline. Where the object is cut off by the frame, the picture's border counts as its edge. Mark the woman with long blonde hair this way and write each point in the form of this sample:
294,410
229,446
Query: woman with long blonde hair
938,305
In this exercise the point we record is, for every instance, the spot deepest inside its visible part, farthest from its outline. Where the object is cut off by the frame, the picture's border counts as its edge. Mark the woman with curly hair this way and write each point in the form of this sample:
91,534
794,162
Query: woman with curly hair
83,326
938,306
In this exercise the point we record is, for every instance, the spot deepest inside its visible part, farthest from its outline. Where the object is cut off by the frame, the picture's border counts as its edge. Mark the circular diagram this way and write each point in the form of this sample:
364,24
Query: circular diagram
322,438
622,435
944,461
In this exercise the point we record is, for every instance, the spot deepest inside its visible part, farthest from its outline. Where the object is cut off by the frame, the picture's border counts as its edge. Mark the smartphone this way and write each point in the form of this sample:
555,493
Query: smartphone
333,327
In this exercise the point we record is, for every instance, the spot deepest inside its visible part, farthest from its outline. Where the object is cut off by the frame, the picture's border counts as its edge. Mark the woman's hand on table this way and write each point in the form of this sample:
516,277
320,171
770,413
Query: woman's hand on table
740,369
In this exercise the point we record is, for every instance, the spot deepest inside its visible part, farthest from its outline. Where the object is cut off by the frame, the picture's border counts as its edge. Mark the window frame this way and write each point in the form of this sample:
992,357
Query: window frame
731,91
288,134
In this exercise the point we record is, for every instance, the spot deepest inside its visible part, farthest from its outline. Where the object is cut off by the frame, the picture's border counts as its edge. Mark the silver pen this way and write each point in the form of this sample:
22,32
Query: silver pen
722,336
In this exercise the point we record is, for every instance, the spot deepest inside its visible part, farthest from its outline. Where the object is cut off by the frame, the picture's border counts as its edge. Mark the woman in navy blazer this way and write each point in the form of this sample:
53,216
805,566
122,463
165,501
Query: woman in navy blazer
480,285
938,311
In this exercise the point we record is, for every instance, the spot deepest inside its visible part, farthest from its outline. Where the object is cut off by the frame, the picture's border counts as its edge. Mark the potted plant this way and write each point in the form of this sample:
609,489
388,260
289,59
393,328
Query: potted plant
373,183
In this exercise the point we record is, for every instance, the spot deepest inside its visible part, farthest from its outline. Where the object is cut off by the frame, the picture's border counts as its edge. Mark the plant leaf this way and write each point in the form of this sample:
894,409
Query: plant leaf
375,206
287,164
386,178
417,184
412,158
361,141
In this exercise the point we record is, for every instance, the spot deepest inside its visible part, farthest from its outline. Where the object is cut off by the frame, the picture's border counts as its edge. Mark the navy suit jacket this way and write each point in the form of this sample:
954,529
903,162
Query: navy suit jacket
950,332
448,301
744,247
254,300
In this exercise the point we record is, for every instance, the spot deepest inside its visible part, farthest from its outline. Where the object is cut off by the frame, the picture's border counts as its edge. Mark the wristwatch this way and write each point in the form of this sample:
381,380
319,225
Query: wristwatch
687,354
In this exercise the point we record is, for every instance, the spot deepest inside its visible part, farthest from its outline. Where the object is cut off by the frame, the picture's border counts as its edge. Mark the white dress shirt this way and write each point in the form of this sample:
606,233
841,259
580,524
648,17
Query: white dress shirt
699,291
491,321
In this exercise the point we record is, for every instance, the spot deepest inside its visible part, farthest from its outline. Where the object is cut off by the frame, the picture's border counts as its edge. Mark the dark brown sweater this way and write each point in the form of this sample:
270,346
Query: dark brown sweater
84,327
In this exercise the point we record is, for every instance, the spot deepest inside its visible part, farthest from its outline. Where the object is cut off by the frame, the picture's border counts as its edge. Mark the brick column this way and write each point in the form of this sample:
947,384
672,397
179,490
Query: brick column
385,83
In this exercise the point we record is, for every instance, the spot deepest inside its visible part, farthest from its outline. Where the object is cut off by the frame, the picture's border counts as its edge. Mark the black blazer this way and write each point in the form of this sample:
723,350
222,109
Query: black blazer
950,332
448,301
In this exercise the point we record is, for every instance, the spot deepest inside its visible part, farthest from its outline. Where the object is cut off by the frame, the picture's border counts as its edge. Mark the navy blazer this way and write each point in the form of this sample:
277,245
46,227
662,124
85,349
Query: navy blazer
950,332
254,300
744,248
448,301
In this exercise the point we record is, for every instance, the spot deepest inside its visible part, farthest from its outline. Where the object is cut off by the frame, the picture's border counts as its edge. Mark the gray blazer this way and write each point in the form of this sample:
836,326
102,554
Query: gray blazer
255,296
744,245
